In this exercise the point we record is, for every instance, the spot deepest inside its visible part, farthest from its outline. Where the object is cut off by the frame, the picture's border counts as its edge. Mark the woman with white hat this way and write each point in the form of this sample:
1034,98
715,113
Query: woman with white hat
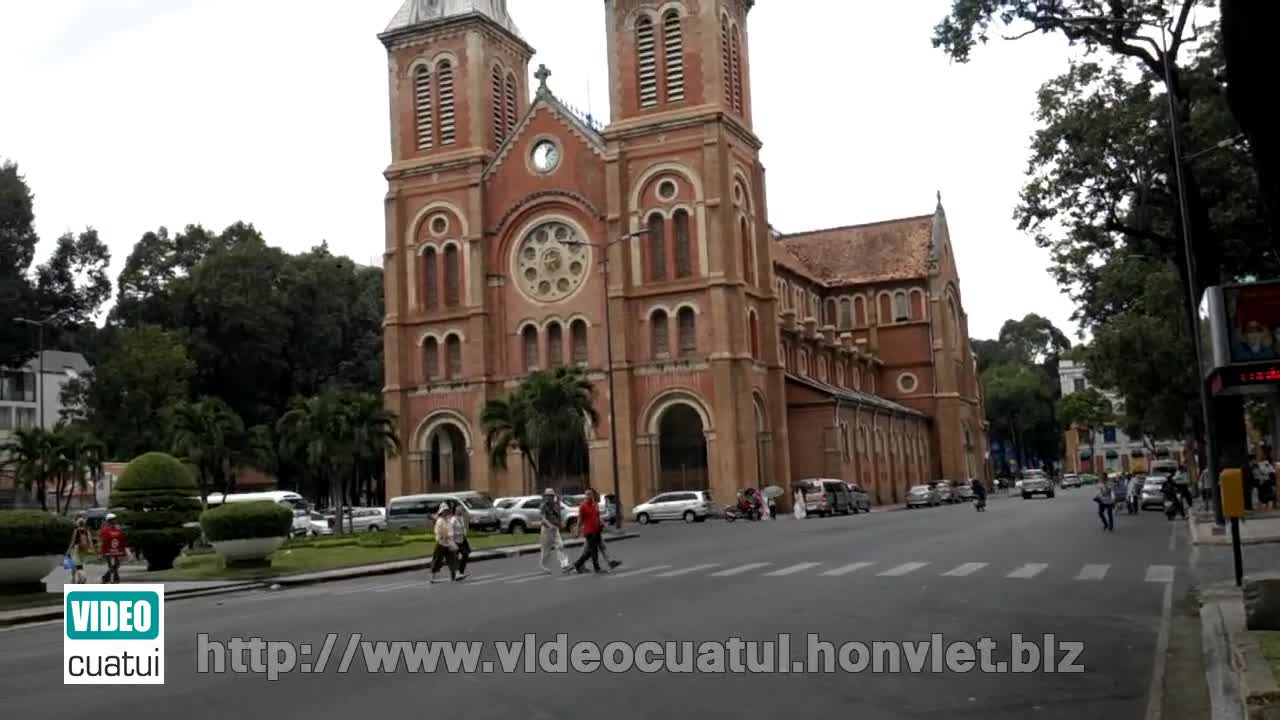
446,547
552,520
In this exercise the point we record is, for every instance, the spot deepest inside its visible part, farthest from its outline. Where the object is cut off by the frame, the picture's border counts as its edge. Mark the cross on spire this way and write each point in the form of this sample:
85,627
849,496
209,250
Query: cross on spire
542,74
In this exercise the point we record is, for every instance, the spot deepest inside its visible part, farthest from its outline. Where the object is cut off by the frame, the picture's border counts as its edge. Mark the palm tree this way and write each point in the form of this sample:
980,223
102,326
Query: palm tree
30,453
374,438
317,432
544,420
75,457
208,435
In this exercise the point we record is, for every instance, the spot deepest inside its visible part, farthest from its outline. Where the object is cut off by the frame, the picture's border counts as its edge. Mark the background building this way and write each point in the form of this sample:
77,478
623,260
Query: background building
741,356
20,392
1112,450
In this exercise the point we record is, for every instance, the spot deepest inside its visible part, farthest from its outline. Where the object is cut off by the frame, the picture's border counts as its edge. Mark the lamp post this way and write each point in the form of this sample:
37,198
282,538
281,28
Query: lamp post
608,351
39,325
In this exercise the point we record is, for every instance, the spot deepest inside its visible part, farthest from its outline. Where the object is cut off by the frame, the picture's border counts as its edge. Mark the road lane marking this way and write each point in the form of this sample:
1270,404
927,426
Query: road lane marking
502,578
740,569
400,586
798,567
846,569
686,571
1159,573
529,578
903,569
1028,571
963,570
1093,572
641,571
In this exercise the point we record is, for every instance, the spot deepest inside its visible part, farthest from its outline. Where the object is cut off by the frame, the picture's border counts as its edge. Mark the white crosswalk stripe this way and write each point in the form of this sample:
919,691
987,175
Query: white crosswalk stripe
965,569
641,571
401,586
846,569
1160,573
1028,571
740,569
903,569
687,571
1093,572
798,567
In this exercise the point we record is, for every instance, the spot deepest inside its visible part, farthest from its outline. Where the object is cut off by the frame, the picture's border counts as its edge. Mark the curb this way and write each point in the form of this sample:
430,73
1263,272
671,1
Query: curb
45,613
1221,676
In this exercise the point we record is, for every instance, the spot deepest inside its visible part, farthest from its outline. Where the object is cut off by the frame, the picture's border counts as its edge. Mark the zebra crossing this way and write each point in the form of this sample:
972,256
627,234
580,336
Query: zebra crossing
1089,573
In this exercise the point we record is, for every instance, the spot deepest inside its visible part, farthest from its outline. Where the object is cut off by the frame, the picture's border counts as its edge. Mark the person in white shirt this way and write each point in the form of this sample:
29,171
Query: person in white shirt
446,549
1134,494
459,525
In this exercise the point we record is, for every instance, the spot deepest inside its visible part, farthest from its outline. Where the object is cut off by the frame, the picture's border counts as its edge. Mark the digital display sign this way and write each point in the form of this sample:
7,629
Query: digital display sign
1243,376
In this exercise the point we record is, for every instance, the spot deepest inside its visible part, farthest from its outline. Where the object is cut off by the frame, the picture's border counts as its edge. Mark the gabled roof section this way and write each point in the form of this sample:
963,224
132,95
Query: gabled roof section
546,100
876,252
854,396
415,13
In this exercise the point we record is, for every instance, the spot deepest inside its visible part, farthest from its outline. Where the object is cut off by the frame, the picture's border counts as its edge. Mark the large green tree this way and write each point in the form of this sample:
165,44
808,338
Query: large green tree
544,421
211,437
1088,410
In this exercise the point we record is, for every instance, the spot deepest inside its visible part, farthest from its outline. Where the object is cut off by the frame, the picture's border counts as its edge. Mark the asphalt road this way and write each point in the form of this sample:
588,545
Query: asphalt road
1027,567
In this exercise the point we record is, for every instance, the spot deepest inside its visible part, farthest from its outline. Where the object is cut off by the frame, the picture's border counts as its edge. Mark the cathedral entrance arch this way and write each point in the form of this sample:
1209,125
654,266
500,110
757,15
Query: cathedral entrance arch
764,439
679,430
442,454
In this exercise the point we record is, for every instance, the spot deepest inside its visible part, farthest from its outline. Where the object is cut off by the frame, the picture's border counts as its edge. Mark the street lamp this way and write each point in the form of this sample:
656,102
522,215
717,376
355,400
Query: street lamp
608,350
39,325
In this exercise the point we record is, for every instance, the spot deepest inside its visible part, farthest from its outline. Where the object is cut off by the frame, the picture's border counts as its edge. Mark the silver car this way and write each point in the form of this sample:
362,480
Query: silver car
690,506
1152,494
945,492
525,514
923,496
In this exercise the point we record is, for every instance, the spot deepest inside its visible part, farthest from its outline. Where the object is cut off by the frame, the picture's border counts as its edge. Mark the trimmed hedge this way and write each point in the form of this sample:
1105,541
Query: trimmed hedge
379,539
155,496
245,521
29,533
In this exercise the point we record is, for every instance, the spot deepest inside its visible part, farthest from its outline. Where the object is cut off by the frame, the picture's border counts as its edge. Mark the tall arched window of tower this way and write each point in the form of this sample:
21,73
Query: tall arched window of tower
673,55
444,89
647,61
725,60
657,244
452,277
684,243
735,59
499,119
509,103
430,283
555,345
430,359
422,107
753,328
687,322
578,338
529,342
748,257
659,342
453,357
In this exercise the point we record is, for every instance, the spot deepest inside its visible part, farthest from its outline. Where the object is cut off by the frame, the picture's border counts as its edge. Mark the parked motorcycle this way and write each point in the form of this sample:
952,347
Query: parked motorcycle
734,512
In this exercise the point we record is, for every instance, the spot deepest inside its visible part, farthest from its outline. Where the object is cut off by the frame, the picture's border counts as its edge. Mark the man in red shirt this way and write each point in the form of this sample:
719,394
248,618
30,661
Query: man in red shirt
589,527
112,542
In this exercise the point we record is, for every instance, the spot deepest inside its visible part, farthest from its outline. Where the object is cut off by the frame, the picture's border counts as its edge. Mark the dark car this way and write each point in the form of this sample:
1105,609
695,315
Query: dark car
861,500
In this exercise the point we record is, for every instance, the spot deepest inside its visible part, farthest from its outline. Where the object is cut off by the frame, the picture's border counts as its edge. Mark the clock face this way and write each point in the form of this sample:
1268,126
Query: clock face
546,156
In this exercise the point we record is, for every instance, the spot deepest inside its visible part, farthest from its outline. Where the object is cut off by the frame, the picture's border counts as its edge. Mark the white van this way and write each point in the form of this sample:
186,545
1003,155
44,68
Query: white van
292,500
419,511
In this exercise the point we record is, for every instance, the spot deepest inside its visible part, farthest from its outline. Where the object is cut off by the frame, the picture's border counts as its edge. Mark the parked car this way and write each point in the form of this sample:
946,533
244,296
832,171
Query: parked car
1035,482
923,496
419,511
861,500
946,494
824,496
1071,480
962,491
690,506
1152,496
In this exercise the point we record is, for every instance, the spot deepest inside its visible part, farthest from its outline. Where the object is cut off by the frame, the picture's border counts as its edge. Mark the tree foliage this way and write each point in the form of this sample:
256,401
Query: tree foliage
543,420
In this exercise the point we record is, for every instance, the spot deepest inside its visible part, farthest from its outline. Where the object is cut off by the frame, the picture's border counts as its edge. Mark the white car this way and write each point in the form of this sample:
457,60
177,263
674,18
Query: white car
357,519
1071,480
690,506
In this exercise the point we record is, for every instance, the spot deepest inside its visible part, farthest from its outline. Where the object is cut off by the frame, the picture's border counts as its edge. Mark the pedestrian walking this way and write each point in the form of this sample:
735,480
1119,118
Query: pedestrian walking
1206,489
1182,479
798,504
552,518
1106,501
1133,494
446,549
79,548
112,541
460,523
589,528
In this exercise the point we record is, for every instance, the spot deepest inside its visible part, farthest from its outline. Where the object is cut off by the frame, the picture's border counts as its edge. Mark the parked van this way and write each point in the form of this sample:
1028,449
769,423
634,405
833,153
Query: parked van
419,511
825,496
292,500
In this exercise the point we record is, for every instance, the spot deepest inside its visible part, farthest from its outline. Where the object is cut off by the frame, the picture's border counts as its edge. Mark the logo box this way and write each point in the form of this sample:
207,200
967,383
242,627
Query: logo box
113,634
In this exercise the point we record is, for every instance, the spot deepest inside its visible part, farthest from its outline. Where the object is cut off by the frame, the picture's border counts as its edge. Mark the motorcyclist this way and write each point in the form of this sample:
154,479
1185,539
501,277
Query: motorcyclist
979,493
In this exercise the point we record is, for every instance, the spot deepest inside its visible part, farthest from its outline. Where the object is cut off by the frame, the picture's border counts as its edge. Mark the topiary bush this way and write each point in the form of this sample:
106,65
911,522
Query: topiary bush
155,496
31,533
244,521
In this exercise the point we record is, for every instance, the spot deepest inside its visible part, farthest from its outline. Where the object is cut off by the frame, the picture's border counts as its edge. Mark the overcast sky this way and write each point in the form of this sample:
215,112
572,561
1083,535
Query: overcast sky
131,114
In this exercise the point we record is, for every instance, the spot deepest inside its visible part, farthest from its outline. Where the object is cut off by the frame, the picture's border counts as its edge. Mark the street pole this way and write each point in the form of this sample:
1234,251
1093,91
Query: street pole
613,413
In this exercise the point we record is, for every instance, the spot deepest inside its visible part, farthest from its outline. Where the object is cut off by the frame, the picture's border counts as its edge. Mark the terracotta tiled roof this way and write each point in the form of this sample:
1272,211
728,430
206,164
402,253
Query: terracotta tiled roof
877,252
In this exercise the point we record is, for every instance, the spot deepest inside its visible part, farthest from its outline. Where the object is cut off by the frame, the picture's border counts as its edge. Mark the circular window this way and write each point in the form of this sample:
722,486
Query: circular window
666,190
907,383
551,262
545,157
439,225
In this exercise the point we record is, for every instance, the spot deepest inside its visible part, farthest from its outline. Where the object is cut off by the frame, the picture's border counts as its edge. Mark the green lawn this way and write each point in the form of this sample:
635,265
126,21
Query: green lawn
314,556
1271,650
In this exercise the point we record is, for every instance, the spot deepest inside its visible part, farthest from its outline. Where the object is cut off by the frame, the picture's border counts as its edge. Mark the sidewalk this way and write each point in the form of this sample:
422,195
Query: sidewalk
1259,527
1241,682
182,589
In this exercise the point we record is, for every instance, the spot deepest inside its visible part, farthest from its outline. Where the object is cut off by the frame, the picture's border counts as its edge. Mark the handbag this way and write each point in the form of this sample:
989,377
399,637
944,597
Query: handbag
68,563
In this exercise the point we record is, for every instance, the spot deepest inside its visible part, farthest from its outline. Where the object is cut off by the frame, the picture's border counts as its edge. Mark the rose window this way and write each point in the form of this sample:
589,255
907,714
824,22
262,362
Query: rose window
552,262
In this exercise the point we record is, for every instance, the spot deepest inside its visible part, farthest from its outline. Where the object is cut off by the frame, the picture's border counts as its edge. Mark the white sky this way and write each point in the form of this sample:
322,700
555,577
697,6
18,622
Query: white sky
131,114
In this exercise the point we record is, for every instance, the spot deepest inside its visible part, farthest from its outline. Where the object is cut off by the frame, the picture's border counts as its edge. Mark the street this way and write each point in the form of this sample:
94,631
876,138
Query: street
1029,567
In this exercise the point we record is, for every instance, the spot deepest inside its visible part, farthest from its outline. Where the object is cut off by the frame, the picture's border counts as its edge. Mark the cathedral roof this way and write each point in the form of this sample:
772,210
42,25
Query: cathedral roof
876,252
855,396
425,12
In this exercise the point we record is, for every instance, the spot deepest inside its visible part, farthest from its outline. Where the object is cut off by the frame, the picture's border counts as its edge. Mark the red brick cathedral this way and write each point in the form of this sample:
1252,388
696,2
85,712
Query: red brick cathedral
742,356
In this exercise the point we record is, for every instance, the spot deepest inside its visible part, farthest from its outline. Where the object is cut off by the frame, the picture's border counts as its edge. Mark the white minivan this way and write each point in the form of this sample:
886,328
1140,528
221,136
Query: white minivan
419,511
292,500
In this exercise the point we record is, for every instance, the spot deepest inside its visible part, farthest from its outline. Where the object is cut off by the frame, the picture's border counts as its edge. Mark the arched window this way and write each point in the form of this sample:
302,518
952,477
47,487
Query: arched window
444,86
452,276
555,345
499,120
657,247
684,249
802,362
884,309
659,342
735,52
510,103
953,324
748,259
673,56
829,312
917,305
754,330
726,68
578,338
453,356
688,326
822,368
430,282
840,374
529,338
846,314
901,308
430,359
859,311
646,62
422,107
857,379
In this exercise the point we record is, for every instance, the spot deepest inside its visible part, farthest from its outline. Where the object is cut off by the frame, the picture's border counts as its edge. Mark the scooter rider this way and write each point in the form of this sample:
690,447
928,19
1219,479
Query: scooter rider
979,494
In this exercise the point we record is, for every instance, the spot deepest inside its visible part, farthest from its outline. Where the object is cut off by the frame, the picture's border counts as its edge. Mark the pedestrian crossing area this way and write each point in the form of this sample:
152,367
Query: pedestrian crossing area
1013,572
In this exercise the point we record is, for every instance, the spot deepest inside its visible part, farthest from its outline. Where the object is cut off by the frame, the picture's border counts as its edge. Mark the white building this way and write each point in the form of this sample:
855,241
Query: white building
1117,452
21,391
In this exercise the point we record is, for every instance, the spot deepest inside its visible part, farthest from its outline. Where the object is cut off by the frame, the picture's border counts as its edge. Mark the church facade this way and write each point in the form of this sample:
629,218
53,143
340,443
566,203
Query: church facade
741,356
